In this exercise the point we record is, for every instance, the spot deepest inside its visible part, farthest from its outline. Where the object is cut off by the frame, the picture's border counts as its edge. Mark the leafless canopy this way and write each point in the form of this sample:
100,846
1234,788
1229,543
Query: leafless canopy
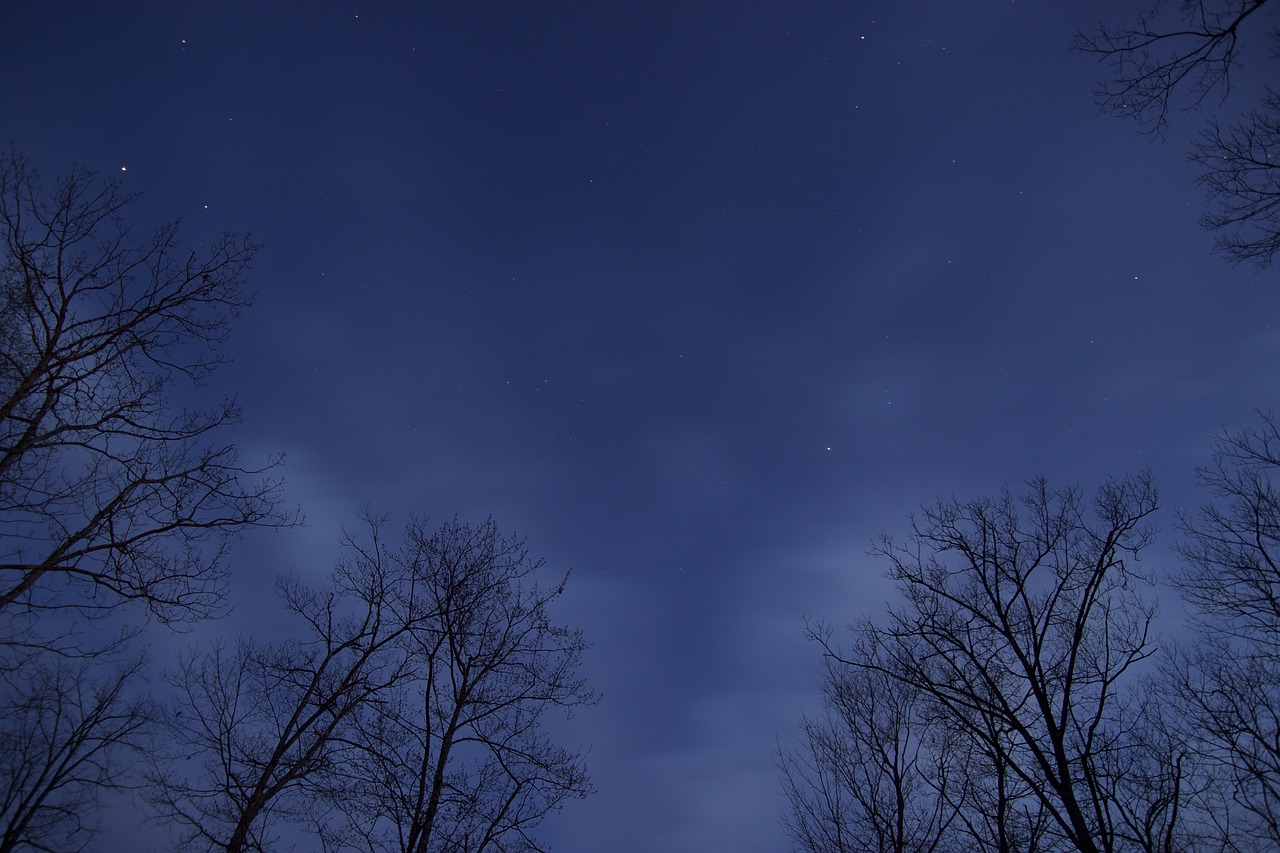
1229,680
255,730
1003,694
1241,165
407,717
876,771
1194,54
1156,58
70,732
110,492
457,757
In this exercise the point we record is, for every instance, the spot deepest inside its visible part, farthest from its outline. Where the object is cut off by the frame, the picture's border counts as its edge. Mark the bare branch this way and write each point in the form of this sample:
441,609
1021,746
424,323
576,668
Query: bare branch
456,758
69,736
407,718
1158,59
1151,61
1229,680
1023,623
256,729
107,495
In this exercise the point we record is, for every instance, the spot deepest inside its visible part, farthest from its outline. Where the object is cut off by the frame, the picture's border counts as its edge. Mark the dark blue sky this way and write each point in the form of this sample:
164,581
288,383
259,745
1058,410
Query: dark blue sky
699,297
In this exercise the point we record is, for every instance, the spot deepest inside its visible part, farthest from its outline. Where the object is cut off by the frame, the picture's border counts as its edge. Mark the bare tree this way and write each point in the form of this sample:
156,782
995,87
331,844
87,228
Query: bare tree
457,758
997,809
874,772
408,718
1229,679
1023,626
257,730
107,493
1242,173
1167,796
68,735
1194,53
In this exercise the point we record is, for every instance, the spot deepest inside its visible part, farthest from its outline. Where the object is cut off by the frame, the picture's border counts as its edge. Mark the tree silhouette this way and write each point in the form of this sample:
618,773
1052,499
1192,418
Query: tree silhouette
1005,685
256,729
456,758
407,717
108,493
70,733
1229,680
1192,54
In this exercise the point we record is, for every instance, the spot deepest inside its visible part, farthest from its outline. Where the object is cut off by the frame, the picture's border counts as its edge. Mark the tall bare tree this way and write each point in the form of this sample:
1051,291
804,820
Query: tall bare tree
409,716
257,731
457,758
69,734
1023,626
108,492
1230,677
876,772
1192,53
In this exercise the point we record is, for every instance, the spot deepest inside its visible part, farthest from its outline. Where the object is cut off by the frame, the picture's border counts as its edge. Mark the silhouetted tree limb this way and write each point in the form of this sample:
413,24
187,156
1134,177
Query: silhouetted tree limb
408,717
876,771
108,493
1242,171
1229,679
1022,627
1194,54
1156,58
70,734
259,728
456,759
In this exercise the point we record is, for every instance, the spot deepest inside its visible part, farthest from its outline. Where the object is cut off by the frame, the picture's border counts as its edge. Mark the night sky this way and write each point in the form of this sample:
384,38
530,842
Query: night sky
698,297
